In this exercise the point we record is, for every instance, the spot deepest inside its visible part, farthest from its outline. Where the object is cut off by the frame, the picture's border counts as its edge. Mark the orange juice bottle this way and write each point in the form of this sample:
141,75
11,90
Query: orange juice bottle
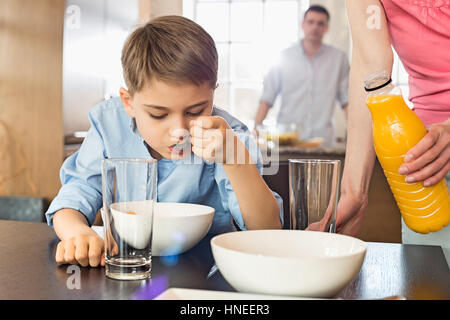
396,129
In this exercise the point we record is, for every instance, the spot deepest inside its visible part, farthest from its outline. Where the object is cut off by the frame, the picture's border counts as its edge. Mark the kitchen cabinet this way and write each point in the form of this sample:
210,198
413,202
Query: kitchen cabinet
31,138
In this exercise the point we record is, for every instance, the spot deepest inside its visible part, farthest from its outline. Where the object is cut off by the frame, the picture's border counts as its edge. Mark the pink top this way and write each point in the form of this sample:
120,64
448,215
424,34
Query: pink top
420,33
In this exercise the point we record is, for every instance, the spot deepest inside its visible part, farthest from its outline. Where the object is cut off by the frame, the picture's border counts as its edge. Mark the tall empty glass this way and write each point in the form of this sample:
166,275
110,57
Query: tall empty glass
129,193
313,194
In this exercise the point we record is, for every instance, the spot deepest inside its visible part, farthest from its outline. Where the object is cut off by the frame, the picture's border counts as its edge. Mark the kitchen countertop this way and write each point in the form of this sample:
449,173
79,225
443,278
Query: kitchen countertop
284,153
336,150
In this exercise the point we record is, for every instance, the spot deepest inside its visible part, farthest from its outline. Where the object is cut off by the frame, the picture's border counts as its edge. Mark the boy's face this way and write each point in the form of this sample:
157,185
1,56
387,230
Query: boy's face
163,111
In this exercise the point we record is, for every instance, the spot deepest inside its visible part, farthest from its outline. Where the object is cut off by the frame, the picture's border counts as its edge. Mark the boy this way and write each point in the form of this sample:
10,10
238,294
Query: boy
170,68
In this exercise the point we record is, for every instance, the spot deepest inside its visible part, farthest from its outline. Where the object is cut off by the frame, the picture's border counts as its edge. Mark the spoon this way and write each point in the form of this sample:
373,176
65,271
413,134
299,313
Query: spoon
212,271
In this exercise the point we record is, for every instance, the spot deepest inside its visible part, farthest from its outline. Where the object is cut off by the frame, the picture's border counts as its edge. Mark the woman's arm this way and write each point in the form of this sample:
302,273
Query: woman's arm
371,52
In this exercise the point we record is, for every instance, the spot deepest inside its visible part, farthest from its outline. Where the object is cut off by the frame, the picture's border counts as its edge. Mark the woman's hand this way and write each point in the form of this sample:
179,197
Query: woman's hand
428,161
350,213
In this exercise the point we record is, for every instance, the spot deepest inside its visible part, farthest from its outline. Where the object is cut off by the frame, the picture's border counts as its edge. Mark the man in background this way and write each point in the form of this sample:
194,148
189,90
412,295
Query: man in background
310,77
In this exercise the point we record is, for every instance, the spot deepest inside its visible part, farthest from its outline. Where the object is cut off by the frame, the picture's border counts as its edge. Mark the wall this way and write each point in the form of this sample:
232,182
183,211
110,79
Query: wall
94,34
31,143
339,32
149,9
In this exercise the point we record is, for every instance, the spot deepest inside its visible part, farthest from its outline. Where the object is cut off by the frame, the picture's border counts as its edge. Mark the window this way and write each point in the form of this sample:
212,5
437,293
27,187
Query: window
249,36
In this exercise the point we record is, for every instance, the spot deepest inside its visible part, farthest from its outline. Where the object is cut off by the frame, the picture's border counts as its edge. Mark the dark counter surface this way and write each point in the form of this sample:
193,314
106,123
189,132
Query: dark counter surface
28,271
283,153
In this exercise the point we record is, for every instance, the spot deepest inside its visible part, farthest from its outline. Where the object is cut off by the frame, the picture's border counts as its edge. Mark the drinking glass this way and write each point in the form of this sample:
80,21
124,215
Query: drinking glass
129,193
313,194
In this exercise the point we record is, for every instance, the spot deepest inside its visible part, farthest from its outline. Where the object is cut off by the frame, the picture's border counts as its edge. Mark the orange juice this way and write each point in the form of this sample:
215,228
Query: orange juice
396,129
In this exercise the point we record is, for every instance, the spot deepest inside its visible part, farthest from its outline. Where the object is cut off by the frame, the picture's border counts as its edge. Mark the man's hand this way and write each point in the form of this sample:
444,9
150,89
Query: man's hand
428,160
86,250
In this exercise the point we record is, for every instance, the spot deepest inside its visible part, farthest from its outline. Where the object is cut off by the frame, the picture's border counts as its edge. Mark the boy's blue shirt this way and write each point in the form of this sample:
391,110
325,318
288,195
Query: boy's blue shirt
113,134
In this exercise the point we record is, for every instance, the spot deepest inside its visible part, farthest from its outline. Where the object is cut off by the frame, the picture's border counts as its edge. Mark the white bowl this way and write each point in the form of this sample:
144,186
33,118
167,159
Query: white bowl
177,227
135,229
288,262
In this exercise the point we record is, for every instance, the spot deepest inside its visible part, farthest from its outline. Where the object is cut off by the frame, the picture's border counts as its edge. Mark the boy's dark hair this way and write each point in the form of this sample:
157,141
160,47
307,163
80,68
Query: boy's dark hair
169,48
318,8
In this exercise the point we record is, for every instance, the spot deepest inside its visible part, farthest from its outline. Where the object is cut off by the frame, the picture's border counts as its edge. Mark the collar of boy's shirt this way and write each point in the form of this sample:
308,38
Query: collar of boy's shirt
133,126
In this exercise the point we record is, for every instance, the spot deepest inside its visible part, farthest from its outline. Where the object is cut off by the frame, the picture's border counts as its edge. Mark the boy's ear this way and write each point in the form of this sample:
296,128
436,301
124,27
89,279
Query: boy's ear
126,98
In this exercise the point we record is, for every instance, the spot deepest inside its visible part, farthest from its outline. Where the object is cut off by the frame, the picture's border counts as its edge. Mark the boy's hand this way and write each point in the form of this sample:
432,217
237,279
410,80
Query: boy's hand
209,138
86,250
